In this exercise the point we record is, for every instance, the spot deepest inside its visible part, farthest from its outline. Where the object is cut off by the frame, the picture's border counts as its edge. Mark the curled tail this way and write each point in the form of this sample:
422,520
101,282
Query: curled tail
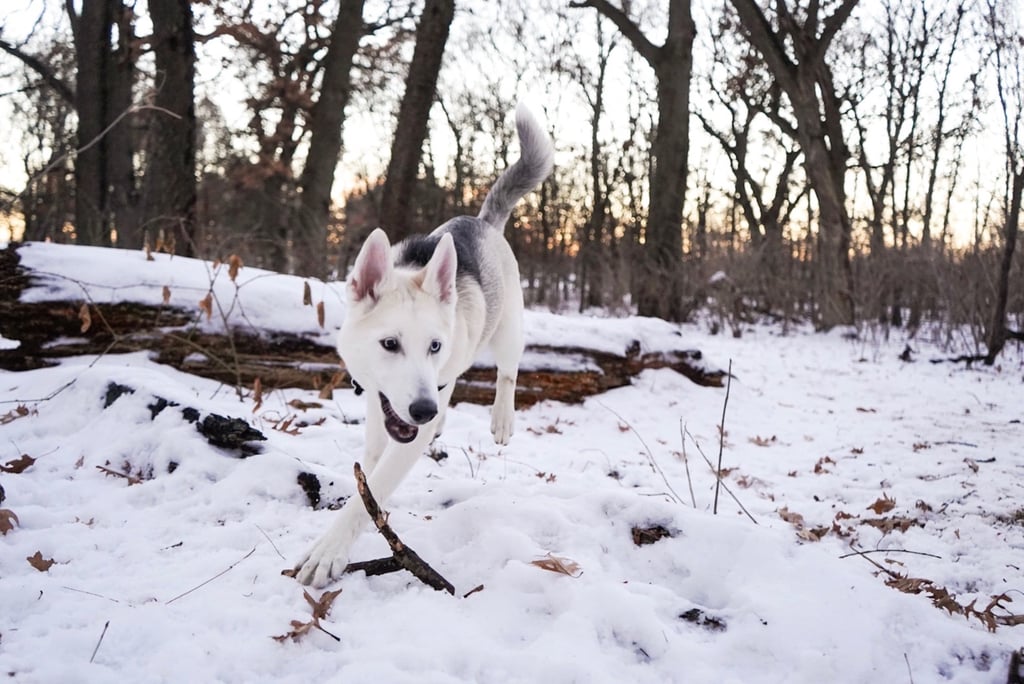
534,165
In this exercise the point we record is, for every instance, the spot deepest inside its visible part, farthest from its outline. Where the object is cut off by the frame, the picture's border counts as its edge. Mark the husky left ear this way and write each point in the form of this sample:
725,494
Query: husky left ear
439,273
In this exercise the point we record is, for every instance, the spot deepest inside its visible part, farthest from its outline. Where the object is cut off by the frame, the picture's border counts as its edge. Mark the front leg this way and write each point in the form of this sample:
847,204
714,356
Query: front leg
507,348
327,559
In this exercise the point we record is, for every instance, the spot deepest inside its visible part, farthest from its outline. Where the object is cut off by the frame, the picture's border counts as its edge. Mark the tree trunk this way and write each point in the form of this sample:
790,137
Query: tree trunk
169,191
998,333
398,194
808,85
310,218
658,282
92,48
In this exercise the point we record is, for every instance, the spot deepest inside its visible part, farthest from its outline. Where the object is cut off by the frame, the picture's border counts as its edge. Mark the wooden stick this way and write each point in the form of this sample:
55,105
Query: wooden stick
403,555
377,566
721,438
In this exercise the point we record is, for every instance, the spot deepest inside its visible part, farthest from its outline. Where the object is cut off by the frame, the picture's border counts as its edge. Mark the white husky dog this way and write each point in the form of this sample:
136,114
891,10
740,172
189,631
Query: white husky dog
418,314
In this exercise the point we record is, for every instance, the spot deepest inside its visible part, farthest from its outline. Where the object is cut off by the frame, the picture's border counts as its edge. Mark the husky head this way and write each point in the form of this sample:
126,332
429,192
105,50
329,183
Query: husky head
397,331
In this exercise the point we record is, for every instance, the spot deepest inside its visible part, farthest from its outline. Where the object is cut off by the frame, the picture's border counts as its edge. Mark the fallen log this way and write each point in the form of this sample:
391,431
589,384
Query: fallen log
47,331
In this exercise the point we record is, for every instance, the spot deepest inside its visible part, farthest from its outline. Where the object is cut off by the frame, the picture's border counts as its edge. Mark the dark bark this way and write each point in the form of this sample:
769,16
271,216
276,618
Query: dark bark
310,217
658,281
807,82
998,332
397,213
169,189
92,47
105,195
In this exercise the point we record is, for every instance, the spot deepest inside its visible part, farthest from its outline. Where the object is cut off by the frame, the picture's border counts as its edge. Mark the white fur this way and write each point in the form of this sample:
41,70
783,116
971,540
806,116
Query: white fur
439,323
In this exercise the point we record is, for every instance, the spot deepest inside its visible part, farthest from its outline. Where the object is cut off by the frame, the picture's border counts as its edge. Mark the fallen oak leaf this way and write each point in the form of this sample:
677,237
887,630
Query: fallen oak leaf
18,465
307,294
166,294
37,561
7,520
882,505
560,565
320,607
320,313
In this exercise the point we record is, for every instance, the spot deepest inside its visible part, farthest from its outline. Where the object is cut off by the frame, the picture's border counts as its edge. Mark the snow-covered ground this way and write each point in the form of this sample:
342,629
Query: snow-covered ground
178,577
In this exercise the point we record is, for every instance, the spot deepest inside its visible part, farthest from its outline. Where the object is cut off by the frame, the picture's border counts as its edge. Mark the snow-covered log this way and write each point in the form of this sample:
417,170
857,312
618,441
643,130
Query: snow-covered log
213,320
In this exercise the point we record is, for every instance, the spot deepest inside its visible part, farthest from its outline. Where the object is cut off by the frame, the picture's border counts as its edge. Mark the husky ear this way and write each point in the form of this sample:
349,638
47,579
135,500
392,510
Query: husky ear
439,273
372,267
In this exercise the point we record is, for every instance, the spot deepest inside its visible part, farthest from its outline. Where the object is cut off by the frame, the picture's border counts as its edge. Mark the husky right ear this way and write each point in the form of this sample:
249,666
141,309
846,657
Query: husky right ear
372,267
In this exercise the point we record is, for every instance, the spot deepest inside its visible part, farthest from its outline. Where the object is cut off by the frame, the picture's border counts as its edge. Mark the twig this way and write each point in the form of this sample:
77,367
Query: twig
377,566
90,593
650,455
719,476
102,634
916,553
271,542
721,437
910,672
219,574
686,462
403,555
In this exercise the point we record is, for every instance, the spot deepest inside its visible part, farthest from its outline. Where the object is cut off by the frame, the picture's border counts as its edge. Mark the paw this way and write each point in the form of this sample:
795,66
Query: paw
503,420
323,563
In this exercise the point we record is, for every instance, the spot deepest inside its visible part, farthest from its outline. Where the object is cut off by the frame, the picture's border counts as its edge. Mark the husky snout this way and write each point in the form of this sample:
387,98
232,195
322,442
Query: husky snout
423,410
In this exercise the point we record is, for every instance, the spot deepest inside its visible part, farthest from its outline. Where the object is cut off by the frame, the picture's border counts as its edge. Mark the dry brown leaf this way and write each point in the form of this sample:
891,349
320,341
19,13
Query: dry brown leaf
812,534
763,441
166,295
791,517
18,465
132,480
37,561
972,464
257,394
321,607
85,317
560,565
887,525
819,467
307,295
649,535
234,266
320,313
7,520
300,405
206,305
882,505
19,411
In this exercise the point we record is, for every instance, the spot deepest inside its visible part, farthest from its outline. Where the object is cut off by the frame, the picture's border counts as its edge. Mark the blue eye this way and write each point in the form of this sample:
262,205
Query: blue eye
390,344
435,346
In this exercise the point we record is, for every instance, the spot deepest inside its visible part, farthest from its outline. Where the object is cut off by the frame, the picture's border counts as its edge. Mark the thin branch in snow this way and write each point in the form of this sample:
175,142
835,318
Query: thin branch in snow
219,574
721,437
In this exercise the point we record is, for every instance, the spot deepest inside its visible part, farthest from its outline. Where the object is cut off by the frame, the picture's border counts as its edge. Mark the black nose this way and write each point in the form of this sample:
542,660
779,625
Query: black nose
422,410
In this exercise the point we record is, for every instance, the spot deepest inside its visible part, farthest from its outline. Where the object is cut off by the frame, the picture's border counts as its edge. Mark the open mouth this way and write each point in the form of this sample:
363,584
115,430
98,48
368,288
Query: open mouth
399,430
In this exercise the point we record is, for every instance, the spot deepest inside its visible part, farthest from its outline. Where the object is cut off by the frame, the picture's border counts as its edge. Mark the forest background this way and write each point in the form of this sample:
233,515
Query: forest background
849,163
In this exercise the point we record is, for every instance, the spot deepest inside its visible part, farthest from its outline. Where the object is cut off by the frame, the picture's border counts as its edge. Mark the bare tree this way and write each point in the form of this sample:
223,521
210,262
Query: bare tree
795,49
105,194
659,277
309,224
168,205
1009,73
397,209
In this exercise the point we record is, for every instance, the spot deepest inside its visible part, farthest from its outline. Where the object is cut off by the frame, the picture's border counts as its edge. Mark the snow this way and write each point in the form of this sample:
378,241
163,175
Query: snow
185,567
